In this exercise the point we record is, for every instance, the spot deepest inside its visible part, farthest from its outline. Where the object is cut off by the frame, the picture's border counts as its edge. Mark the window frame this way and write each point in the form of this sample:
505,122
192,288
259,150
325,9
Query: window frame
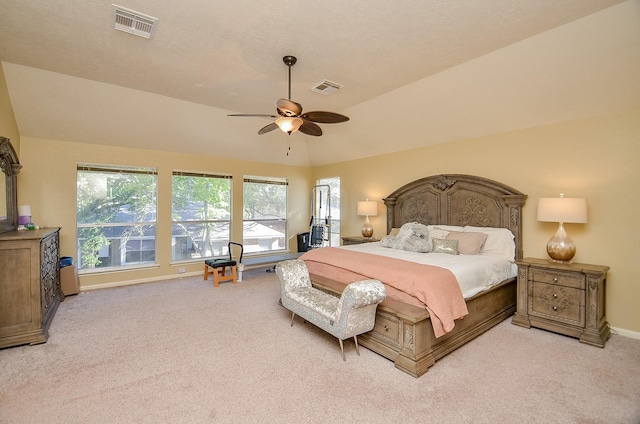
223,244
282,221
117,248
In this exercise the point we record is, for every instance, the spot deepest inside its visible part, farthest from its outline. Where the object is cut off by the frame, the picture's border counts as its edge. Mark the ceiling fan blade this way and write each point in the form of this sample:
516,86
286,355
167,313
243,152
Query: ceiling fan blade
324,117
254,115
310,128
268,128
288,107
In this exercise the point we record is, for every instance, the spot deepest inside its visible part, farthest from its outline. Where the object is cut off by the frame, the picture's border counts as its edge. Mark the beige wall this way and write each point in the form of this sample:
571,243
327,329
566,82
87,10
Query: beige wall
8,125
593,158
8,129
48,180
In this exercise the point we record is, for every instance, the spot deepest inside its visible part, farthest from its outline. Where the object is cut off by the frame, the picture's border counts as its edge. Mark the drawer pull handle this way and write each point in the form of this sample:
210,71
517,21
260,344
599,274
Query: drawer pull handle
555,279
555,308
386,328
555,296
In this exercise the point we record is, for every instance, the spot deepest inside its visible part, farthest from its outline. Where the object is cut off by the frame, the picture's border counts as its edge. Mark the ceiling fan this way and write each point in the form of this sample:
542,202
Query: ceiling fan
290,117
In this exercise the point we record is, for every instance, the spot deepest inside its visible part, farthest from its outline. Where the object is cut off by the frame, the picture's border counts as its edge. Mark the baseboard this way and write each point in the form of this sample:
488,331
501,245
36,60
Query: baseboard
626,333
139,281
249,263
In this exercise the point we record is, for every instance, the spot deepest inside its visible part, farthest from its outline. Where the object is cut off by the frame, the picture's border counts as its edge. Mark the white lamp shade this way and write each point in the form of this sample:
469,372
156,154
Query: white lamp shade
562,209
368,208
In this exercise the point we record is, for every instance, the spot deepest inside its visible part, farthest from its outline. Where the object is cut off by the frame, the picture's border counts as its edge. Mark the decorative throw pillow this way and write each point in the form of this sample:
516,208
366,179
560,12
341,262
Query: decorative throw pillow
469,243
388,241
445,246
416,228
413,237
417,244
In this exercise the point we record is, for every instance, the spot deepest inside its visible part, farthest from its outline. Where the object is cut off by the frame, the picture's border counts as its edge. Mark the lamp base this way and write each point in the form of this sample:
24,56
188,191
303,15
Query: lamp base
367,229
560,247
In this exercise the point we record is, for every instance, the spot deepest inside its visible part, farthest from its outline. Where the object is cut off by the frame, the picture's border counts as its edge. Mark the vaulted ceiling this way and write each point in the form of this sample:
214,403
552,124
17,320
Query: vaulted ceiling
414,72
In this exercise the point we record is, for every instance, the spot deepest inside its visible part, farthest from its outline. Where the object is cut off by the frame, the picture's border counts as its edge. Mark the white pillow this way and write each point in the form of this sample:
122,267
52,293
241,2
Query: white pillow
500,241
445,227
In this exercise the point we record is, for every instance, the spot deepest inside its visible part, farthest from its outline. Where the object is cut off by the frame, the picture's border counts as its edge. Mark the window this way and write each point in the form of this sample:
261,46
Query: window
200,215
334,229
116,216
264,226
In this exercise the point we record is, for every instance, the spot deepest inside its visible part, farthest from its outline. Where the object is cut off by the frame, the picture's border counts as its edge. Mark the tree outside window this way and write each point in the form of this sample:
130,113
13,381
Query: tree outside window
201,215
265,214
116,216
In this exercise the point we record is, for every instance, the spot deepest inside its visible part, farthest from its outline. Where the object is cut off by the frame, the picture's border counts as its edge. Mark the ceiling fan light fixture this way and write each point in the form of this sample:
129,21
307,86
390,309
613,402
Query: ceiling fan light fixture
289,124
291,118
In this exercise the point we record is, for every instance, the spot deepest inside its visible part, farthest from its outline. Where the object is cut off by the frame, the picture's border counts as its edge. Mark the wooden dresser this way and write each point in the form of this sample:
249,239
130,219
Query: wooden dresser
29,285
567,298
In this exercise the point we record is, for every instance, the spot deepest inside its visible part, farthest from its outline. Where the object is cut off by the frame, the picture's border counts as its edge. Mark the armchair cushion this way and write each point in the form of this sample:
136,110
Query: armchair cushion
308,297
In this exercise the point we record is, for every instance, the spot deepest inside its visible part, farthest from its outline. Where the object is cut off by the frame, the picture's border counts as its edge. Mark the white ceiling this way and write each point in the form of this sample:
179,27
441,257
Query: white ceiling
414,72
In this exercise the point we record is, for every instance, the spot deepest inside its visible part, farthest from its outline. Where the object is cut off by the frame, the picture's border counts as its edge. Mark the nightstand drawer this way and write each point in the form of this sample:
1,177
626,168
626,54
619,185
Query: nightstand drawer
558,303
566,279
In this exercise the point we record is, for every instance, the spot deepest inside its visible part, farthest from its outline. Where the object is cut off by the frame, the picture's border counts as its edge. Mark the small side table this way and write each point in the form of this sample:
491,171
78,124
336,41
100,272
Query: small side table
567,298
357,240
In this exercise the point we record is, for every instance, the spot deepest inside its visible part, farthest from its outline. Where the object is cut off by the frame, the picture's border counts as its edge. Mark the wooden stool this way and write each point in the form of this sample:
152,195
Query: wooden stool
218,267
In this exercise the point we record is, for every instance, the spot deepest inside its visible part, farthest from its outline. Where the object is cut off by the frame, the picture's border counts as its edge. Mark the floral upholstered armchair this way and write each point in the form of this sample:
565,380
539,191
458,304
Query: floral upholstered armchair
345,317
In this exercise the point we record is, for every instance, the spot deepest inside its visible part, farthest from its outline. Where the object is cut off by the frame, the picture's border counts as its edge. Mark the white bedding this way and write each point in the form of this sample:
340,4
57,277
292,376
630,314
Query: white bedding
474,273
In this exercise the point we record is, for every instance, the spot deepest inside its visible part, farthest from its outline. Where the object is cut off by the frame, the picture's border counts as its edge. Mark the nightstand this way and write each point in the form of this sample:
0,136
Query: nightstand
357,240
567,298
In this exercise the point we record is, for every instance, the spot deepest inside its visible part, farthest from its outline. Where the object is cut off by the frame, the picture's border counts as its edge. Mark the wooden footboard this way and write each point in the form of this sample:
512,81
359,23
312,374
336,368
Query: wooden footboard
403,333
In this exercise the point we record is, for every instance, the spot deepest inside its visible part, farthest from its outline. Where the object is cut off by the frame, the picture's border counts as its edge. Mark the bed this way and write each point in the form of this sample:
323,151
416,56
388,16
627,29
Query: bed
404,331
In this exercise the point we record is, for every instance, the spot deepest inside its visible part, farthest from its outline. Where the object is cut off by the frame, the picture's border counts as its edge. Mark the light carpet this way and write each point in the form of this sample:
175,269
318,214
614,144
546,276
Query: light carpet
182,351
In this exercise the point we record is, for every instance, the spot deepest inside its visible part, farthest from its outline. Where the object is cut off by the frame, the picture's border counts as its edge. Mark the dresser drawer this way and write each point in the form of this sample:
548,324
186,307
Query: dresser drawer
566,279
386,328
558,303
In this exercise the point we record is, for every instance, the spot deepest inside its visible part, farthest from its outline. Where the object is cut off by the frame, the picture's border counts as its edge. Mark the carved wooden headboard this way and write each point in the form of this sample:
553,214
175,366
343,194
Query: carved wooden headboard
457,199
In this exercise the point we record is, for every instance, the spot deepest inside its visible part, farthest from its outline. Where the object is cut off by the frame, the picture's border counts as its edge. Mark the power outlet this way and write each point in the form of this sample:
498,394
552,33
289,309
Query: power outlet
181,270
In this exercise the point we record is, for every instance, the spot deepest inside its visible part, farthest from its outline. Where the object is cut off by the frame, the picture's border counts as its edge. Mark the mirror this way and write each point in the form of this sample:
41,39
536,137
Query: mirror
3,195
10,167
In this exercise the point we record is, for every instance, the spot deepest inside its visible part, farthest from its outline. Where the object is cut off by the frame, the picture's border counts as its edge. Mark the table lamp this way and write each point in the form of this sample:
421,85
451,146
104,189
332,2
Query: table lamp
367,208
562,210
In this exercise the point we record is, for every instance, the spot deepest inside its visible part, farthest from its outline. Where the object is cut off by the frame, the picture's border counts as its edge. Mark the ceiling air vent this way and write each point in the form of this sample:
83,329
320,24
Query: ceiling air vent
326,87
133,22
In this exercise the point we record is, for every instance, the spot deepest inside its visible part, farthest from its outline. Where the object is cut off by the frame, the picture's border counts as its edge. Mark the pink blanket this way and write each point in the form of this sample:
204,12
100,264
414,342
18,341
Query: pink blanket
436,288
